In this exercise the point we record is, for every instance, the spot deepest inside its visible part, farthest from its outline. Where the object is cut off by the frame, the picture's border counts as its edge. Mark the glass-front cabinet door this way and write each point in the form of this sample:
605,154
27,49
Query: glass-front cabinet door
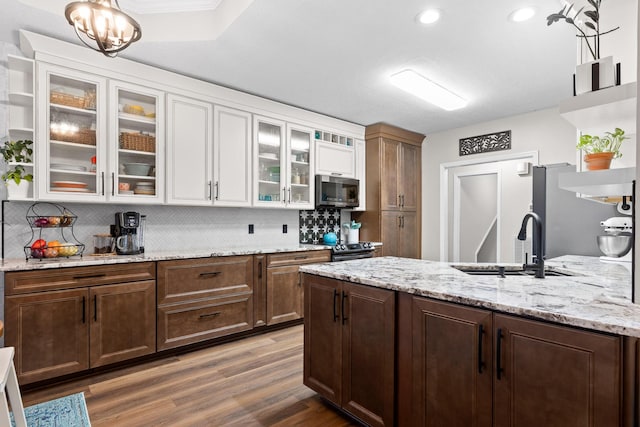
269,187
300,156
136,144
71,161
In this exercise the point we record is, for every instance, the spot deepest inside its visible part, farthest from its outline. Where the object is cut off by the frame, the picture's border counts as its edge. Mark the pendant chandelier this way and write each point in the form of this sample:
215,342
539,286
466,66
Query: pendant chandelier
102,26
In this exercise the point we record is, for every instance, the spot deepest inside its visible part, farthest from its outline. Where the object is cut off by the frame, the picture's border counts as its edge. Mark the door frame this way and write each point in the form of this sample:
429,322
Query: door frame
530,156
456,208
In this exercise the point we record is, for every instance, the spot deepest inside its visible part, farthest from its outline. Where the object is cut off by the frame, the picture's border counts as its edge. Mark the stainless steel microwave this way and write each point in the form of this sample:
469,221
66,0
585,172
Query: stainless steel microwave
337,192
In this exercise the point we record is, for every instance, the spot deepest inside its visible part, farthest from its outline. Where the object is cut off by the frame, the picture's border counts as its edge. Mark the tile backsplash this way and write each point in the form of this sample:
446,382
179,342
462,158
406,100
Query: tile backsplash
168,227
313,224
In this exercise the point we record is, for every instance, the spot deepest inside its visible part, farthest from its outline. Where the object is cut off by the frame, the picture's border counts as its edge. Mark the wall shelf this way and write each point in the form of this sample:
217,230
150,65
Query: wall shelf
597,112
602,184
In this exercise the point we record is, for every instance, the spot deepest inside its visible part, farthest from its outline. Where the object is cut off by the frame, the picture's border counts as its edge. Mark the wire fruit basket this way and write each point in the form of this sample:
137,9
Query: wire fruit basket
43,216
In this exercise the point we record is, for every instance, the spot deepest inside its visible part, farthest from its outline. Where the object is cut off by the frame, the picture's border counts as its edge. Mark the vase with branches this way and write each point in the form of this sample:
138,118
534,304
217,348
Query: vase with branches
592,22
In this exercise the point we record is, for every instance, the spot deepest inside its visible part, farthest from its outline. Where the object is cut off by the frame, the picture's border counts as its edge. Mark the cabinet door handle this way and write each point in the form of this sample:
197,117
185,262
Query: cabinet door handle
260,269
91,276
344,317
84,309
284,195
113,184
212,273
499,369
217,190
102,182
402,201
289,194
335,312
210,190
204,316
336,174
480,339
399,200
95,308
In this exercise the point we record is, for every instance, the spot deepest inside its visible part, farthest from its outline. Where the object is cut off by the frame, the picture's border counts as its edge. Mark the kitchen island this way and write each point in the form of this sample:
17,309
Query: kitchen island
423,343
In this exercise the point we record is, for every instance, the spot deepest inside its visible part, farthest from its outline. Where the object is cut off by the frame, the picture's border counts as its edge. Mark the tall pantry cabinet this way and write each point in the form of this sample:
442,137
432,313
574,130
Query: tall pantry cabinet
393,171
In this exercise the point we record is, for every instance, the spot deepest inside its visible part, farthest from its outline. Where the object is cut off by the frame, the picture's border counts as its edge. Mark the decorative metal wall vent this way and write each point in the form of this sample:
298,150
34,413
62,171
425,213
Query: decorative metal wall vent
497,141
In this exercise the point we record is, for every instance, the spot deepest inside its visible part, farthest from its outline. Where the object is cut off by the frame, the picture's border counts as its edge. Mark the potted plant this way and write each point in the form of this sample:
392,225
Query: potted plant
600,150
588,21
16,154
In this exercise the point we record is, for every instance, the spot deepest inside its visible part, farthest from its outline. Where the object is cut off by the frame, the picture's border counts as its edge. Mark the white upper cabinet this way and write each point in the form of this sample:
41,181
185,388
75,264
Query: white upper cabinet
189,151
282,170
22,107
361,172
232,157
335,159
136,149
72,135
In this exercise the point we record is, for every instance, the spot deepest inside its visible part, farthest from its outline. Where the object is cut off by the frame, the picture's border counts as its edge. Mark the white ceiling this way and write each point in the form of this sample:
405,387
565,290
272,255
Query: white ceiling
335,56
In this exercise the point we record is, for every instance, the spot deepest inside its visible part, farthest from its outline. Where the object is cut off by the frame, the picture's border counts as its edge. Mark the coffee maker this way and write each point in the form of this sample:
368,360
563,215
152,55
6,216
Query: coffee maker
129,233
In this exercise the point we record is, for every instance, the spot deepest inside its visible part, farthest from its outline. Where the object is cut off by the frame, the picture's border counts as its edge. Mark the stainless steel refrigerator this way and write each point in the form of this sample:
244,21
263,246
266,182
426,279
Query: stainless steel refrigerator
571,224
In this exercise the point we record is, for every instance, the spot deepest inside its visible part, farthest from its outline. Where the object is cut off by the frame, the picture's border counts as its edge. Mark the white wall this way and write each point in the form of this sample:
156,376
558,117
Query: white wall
544,131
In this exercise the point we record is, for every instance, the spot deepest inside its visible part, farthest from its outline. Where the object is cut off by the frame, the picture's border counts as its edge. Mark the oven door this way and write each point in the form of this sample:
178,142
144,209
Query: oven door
349,257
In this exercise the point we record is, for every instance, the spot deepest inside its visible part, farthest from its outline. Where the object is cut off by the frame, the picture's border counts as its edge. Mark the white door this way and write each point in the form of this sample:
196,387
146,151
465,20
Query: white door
189,142
232,157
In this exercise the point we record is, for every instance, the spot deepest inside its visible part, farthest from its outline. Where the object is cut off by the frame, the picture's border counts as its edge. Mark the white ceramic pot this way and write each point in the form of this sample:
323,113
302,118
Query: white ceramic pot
584,76
353,236
18,191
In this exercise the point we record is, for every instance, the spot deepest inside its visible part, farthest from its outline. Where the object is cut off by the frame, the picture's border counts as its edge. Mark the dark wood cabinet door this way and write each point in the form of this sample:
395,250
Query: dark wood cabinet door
368,353
408,237
123,321
50,332
451,362
390,162
555,376
284,294
322,337
410,176
390,227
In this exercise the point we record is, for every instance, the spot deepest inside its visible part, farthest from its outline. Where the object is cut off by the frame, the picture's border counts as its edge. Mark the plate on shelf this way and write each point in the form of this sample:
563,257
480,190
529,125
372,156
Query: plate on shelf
64,167
70,184
71,190
272,156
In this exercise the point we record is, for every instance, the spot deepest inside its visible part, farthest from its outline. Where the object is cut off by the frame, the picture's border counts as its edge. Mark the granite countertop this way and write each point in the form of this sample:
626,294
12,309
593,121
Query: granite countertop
597,297
87,260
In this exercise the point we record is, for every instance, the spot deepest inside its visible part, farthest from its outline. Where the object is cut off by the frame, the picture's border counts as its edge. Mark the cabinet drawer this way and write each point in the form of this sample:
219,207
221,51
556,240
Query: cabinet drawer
185,280
22,282
298,258
192,322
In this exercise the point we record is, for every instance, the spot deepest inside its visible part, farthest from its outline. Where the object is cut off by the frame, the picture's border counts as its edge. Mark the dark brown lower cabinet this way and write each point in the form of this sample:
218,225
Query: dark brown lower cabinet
349,347
463,366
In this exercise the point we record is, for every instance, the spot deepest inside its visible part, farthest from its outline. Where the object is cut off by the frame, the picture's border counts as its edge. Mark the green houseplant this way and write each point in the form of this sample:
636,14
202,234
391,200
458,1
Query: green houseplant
600,150
15,154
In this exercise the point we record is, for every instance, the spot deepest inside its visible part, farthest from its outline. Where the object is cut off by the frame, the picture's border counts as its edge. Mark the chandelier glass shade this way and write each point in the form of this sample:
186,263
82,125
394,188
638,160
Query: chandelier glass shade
102,26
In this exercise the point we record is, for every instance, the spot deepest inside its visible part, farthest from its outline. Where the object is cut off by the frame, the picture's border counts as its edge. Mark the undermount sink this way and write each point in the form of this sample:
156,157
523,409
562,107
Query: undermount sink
502,271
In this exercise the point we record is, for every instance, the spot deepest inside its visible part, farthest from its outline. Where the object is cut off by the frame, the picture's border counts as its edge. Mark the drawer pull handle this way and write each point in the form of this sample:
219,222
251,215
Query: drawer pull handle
205,316
92,276
302,257
213,273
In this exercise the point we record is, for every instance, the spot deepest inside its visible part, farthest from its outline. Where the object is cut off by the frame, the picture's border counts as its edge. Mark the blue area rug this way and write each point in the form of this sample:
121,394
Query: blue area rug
68,411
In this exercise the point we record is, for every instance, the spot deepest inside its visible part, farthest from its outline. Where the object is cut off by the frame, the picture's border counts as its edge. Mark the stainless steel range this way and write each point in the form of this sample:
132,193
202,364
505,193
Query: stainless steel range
346,252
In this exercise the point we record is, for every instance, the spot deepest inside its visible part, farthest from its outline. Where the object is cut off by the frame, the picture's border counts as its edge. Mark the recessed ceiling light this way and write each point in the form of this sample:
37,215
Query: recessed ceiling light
425,89
523,14
429,16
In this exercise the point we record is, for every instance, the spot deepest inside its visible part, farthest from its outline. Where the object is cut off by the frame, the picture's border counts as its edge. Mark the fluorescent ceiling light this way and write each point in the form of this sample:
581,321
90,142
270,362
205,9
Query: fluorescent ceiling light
522,15
429,16
423,88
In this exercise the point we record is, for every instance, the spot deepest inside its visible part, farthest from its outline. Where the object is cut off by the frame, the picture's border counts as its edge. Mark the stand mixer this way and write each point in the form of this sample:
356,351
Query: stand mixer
616,244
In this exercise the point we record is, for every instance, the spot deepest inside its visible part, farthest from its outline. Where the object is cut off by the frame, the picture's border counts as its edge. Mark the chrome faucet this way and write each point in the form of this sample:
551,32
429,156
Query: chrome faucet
538,243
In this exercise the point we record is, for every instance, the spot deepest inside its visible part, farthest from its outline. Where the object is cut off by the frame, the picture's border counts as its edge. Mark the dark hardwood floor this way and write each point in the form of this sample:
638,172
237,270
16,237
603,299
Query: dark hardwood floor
256,381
